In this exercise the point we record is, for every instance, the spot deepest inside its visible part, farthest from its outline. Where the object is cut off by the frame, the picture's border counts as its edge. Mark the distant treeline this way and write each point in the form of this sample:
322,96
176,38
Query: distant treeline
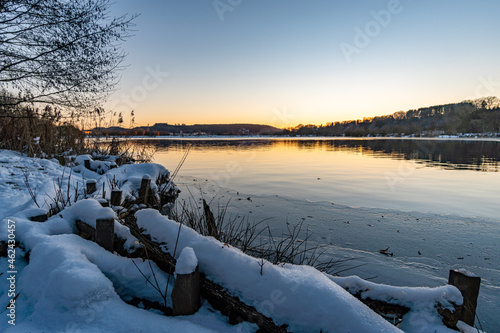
164,129
478,116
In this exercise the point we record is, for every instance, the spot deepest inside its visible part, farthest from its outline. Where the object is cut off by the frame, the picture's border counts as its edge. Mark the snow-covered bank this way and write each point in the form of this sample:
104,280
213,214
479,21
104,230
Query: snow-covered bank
71,284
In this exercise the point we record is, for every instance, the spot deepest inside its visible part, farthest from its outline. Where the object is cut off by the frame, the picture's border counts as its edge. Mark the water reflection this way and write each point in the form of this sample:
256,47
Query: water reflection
471,155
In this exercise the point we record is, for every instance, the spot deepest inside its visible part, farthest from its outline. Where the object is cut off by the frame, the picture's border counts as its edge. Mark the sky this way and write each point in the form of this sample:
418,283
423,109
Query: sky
285,63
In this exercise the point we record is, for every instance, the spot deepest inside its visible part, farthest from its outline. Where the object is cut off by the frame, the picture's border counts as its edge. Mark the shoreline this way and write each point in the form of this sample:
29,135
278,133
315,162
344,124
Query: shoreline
266,137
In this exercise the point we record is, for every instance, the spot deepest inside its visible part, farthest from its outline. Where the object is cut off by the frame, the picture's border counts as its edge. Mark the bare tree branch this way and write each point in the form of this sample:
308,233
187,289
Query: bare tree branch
63,52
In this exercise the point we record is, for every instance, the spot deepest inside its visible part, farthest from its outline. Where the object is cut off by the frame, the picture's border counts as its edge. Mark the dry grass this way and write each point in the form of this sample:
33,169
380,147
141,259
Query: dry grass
293,245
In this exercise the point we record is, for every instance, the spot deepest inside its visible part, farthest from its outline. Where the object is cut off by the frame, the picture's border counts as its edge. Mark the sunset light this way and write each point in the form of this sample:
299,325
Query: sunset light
322,61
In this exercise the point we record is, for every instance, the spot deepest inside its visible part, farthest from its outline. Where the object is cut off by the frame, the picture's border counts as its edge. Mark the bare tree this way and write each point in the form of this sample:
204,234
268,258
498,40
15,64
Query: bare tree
62,52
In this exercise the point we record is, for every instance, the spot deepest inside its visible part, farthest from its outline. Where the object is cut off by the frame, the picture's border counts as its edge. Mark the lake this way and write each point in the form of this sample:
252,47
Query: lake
451,176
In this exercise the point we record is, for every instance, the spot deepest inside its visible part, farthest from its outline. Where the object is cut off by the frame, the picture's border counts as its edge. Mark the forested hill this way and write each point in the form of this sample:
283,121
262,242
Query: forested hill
477,116
217,129
177,129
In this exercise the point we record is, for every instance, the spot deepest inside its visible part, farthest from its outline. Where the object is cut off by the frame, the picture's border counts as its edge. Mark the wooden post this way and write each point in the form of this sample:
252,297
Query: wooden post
144,190
186,294
116,197
105,229
86,163
469,288
91,186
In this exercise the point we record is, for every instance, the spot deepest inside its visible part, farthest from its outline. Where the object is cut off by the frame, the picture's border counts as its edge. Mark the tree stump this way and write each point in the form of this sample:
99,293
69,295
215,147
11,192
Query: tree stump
469,288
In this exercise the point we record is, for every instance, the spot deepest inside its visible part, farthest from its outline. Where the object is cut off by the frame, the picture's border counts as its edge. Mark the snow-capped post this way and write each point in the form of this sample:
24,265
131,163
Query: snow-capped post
105,228
186,292
116,197
468,284
144,190
86,164
91,186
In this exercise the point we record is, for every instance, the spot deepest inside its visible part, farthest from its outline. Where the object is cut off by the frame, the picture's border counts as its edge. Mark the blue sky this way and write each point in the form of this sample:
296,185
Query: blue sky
288,62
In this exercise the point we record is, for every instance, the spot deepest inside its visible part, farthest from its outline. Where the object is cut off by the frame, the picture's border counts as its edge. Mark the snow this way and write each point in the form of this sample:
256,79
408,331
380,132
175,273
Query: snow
73,285
67,286
89,210
106,213
129,178
464,328
187,261
406,296
425,245
284,291
41,175
421,301
34,212
465,272
99,167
